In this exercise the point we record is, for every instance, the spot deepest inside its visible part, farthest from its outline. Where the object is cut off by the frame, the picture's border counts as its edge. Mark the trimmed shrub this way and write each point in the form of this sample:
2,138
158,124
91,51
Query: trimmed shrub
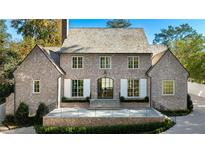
41,111
175,113
189,103
21,115
9,119
74,100
146,99
148,128
123,99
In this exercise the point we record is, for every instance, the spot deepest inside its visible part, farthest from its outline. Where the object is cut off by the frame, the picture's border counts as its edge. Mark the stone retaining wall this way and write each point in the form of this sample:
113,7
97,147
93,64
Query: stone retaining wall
99,121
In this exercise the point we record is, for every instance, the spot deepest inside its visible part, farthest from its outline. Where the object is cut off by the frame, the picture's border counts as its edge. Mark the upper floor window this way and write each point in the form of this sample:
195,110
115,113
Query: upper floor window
133,62
36,86
77,62
133,88
168,87
105,62
77,88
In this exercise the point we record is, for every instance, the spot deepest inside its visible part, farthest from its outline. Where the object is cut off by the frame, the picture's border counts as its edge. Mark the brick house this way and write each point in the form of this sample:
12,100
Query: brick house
100,66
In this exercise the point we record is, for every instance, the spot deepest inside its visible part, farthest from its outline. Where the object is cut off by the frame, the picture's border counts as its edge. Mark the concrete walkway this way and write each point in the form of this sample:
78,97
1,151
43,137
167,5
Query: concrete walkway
24,130
193,123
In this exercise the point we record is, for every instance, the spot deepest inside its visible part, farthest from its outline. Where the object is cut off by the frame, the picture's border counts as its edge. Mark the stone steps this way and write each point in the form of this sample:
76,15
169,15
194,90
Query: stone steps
104,103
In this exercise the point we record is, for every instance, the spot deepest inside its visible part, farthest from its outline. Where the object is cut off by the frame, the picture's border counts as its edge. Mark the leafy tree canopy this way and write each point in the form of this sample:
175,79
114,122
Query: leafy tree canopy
118,23
46,32
167,36
188,46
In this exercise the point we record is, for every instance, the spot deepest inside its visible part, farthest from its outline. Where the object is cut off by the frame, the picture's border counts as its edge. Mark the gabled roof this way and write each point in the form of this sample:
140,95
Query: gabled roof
59,69
50,58
106,40
54,54
156,48
158,56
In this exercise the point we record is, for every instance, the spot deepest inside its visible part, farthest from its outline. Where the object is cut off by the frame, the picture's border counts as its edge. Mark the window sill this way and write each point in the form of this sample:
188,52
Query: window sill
36,93
168,94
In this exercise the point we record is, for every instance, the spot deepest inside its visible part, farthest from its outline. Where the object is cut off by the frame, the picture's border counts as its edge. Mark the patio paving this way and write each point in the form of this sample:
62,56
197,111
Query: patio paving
82,112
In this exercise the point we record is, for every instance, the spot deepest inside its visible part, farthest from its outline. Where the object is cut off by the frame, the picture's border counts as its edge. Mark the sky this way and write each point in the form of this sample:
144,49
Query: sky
151,26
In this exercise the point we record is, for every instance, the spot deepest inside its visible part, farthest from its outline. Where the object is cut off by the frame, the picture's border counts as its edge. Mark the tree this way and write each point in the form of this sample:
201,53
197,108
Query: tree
45,32
4,42
171,34
191,55
188,46
118,23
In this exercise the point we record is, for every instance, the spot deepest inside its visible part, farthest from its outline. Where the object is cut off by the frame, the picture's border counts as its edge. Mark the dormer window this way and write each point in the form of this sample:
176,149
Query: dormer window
77,62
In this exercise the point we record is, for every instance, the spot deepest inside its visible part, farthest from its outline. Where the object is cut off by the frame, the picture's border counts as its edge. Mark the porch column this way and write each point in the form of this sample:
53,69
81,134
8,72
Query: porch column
59,92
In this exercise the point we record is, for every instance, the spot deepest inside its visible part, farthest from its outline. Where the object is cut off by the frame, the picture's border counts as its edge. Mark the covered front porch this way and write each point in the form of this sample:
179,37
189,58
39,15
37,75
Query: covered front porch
97,117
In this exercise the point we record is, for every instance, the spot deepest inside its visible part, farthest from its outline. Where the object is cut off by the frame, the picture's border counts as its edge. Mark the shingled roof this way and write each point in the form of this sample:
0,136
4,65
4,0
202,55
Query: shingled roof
106,40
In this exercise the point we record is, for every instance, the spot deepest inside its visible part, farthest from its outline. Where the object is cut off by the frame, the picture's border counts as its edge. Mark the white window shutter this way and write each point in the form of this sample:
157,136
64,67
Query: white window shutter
123,88
143,87
86,88
67,88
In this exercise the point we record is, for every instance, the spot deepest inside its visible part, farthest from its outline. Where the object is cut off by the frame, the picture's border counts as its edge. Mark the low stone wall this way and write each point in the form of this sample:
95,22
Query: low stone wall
98,121
2,112
10,104
78,104
129,105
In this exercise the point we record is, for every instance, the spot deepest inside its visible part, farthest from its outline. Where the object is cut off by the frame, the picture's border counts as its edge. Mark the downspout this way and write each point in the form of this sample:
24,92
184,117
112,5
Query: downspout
150,91
59,92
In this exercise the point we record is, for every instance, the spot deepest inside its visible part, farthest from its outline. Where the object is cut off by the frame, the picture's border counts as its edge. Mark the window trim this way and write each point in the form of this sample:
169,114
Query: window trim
33,91
128,88
100,62
132,57
77,61
77,89
173,88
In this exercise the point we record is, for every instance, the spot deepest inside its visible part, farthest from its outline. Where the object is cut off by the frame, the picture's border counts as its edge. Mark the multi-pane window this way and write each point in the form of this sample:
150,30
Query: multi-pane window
77,88
133,88
105,62
36,86
77,62
133,62
168,87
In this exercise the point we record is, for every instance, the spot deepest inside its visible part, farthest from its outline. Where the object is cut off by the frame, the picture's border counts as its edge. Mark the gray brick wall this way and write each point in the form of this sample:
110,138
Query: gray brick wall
169,68
36,67
118,71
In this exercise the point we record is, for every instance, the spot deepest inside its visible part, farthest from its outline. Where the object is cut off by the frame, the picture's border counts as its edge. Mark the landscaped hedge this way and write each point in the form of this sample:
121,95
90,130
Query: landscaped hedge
115,129
123,99
74,100
22,113
190,105
41,111
175,113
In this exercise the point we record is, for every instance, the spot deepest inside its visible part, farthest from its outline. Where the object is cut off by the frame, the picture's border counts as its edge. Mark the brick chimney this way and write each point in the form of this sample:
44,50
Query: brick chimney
63,30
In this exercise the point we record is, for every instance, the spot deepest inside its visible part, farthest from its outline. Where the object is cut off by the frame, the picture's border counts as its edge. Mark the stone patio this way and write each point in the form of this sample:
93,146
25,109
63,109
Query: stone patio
94,117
